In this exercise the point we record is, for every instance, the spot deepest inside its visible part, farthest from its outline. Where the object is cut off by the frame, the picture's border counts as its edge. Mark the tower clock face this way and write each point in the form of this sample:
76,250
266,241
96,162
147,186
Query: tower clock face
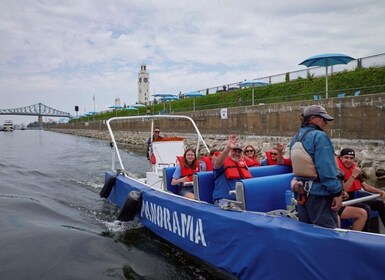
145,80
140,80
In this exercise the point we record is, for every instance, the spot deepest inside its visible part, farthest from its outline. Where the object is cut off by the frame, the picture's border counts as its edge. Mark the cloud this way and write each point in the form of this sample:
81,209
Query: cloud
62,53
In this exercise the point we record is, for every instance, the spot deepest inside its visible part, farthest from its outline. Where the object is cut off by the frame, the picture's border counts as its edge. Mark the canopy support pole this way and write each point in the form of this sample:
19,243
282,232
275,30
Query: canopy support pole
327,94
252,96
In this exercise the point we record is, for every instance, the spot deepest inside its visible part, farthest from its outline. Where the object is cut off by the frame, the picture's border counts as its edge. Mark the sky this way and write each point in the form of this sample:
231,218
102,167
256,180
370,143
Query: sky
63,53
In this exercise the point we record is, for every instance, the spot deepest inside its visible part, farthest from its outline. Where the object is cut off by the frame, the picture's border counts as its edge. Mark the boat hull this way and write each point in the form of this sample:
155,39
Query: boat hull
8,126
252,245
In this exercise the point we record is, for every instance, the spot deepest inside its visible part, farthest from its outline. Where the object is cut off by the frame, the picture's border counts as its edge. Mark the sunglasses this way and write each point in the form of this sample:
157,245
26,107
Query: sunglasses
156,131
249,151
274,154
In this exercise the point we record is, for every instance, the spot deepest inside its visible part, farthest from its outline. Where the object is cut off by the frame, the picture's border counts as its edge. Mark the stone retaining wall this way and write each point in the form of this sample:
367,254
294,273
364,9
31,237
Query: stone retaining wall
361,118
359,123
370,154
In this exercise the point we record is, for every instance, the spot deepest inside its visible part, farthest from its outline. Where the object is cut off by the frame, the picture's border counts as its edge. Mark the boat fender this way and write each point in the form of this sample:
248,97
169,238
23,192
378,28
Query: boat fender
131,206
107,188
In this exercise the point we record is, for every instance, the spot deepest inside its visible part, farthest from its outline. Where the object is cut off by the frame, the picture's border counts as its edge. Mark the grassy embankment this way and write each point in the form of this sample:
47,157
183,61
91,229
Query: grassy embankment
367,80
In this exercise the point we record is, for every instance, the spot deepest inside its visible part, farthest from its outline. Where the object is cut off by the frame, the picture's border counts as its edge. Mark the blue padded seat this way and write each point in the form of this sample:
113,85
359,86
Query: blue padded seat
204,186
373,219
269,170
204,181
362,193
340,95
357,93
167,177
264,194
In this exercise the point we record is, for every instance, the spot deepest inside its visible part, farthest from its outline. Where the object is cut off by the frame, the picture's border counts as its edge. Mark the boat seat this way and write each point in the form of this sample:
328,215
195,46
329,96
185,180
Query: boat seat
357,93
263,194
341,95
204,186
204,181
374,225
167,177
268,170
317,97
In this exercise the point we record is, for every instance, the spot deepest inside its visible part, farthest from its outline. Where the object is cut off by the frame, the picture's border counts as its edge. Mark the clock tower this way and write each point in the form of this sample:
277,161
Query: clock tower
143,85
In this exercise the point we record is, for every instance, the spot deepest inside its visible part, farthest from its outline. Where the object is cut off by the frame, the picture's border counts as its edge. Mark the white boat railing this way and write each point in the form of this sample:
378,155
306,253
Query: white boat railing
151,118
360,199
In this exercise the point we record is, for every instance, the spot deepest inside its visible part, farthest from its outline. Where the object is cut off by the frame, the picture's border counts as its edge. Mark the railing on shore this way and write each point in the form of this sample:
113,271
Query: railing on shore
377,60
246,100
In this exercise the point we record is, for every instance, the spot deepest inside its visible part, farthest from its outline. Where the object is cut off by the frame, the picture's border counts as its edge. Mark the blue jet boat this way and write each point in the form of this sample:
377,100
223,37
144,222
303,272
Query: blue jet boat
257,240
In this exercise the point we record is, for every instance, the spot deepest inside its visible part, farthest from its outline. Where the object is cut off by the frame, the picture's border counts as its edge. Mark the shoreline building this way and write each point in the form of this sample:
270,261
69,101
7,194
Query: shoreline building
143,85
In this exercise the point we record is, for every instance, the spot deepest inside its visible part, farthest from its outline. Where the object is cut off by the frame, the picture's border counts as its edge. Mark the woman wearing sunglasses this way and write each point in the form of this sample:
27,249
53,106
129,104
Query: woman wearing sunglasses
275,156
250,156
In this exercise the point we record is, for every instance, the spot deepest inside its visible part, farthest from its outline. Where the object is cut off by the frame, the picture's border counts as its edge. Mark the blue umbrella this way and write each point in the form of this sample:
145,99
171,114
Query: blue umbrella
193,94
115,107
138,105
326,60
169,98
129,108
162,95
253,83
165,97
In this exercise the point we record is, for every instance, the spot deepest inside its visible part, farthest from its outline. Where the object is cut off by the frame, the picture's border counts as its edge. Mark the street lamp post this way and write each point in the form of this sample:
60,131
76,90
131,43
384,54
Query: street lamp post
93,115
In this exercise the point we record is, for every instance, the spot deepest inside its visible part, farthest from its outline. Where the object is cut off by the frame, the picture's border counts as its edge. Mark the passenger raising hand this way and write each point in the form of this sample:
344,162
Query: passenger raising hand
232,141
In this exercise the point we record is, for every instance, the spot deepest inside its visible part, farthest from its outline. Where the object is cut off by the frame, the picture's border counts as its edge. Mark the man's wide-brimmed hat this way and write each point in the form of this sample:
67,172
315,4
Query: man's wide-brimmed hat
317,110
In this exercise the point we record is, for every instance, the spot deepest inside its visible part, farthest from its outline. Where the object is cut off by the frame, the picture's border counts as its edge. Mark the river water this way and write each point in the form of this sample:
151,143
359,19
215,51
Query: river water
54,225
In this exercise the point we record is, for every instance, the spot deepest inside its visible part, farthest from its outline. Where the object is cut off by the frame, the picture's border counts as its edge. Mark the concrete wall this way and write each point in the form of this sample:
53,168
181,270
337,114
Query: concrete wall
361,117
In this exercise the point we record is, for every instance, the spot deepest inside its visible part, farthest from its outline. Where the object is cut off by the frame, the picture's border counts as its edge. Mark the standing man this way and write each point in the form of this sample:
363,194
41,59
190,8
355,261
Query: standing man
312,155
155,137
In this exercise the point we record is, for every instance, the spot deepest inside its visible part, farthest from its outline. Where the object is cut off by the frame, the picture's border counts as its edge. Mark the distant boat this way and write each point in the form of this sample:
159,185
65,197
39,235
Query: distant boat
8,125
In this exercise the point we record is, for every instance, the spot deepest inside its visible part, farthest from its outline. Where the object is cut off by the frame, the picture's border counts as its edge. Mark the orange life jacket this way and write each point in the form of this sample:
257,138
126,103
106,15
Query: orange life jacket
236,170
356,186
251,161
208,162
270,160
187,171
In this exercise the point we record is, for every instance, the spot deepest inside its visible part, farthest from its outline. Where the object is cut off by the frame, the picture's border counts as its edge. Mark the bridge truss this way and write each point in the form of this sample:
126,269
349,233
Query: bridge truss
38,109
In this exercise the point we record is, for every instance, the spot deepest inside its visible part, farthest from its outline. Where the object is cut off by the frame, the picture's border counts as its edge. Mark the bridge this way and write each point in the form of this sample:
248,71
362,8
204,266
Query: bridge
38,109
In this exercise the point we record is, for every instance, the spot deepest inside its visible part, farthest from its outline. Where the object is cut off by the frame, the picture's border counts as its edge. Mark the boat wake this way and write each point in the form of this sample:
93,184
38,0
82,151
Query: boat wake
119,226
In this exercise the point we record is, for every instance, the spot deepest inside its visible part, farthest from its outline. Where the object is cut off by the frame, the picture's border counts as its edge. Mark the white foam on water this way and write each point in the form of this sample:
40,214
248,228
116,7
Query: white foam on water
119,226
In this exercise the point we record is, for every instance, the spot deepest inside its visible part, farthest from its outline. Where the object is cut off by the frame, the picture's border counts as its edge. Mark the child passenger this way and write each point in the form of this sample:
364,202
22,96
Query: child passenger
183,174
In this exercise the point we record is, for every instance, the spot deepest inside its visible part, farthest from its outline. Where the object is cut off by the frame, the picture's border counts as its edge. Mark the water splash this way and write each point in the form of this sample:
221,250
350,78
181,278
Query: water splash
119,226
